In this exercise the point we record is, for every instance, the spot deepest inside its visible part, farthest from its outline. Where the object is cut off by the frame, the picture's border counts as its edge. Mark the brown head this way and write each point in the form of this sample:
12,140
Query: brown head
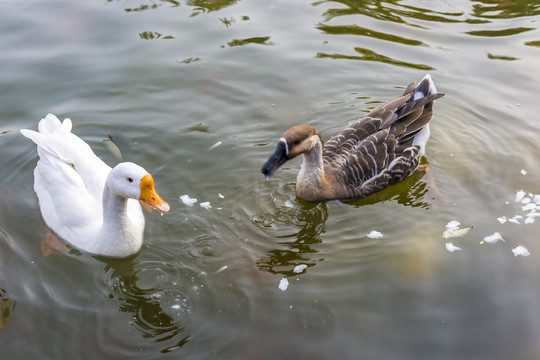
295,141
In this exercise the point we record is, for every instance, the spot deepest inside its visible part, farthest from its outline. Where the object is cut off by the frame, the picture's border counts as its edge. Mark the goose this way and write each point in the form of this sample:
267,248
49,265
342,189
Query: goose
88,205
372,153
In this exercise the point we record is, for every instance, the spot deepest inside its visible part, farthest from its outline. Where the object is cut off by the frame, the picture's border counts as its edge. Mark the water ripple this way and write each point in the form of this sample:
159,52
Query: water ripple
499,33
370,55
293,229
160,298
361,31
392,11
505,9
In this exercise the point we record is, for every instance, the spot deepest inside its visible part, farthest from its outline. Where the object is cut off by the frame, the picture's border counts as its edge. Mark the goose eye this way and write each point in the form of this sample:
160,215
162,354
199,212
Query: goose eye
296,142
130,179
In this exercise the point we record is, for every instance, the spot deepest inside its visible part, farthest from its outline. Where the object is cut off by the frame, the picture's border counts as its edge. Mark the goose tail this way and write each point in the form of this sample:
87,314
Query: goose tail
425,87
55,138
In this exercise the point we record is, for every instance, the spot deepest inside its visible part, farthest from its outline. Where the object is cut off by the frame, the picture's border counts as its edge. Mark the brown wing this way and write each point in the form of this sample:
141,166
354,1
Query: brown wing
377,150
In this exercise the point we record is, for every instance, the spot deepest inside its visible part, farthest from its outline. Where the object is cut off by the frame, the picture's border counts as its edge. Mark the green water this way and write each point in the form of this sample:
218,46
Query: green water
198,93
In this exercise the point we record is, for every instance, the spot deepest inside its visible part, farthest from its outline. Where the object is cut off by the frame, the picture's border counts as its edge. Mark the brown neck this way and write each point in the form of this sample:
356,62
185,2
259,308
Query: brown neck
311,179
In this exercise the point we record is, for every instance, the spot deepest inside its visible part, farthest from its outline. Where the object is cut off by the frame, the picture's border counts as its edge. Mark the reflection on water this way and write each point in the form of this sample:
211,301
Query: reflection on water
416,190
392,11
153,5
533,43
154,35
263,40
203,6
400,13
199,6
395,11
360,31
296,248
369,55
7,307
305,222
498,33
505,9
205,284
151,292
501,57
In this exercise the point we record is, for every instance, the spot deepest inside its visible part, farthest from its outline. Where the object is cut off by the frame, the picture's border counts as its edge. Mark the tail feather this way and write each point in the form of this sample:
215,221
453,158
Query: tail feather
425,87
56,143
47,142
50,124
422,99
55,137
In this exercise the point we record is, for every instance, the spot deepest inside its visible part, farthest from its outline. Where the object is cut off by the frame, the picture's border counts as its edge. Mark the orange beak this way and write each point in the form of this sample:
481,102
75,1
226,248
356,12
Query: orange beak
150,196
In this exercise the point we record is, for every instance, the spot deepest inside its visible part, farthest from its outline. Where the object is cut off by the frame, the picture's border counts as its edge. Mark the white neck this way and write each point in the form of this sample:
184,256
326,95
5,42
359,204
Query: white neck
118,235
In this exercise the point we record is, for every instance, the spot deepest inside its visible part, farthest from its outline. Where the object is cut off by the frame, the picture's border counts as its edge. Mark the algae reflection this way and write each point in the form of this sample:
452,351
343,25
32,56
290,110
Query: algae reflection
7,307
391,11
491,9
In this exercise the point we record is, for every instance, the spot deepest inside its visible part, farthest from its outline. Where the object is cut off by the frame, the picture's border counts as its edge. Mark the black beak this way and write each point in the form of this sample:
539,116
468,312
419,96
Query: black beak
277,159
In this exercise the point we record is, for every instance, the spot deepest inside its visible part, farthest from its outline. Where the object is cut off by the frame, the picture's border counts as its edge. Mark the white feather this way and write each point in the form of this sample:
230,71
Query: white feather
421,139
70,182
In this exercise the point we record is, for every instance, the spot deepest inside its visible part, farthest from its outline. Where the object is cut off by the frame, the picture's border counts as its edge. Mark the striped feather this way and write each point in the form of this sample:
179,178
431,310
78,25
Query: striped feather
372,153
377,150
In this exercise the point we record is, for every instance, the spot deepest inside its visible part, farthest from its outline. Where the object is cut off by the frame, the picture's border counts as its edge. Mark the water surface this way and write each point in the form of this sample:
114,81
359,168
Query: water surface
198,93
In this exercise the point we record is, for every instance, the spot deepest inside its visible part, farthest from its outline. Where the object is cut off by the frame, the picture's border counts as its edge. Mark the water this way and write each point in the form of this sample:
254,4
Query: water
170,80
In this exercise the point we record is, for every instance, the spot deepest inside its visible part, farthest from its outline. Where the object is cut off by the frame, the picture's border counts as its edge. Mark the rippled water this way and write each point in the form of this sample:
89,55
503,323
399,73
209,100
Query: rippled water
198,92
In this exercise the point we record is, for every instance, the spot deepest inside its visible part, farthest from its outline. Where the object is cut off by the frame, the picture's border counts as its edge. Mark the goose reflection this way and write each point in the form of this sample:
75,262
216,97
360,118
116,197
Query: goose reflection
147,290
418,190
298,247
142,298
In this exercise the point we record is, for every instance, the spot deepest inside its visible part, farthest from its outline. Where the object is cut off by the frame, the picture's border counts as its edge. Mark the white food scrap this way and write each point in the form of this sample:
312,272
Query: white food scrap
529,206
223,268
456,234
493,238
451,247
373,234
187,200
214,146
283,284
452,226
206,205
520,251
516,219
299,268
519,195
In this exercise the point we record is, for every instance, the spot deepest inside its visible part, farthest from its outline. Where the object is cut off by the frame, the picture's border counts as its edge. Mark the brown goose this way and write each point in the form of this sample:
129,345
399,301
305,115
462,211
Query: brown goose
380,149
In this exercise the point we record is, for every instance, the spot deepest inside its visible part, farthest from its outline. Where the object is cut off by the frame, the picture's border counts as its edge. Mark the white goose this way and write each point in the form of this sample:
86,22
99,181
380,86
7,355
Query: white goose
87,204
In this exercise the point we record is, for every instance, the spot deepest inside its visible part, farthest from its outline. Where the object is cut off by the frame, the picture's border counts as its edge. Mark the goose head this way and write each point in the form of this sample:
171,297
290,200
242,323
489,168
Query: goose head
132,181
295,141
